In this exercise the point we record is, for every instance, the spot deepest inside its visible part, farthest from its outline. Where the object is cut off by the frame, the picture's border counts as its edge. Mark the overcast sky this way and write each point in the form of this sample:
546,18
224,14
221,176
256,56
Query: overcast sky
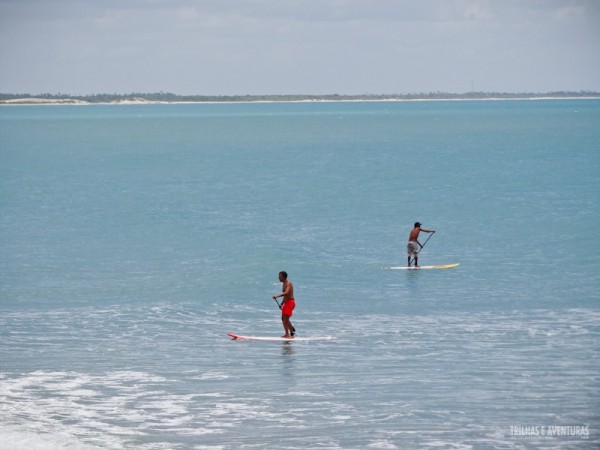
234,47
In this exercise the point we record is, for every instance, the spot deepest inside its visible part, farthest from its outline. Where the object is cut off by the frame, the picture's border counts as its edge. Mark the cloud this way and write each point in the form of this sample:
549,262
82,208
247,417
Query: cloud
298,46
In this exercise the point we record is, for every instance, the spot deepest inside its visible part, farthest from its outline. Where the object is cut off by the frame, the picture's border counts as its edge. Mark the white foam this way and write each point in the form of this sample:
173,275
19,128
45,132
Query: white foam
383,444
20,438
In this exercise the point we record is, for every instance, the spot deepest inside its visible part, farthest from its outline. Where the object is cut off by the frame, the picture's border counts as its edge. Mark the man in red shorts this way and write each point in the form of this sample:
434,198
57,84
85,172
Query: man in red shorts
287,306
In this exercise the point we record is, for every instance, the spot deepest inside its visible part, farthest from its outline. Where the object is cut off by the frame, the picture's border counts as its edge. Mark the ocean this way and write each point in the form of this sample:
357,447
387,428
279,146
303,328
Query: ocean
133,238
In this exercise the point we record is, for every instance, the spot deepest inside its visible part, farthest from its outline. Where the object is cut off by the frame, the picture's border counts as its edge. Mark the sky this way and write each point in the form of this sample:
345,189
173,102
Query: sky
316,47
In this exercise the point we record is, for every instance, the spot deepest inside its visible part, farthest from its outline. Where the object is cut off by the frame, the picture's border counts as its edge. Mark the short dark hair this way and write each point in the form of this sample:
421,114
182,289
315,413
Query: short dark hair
283,273
417,224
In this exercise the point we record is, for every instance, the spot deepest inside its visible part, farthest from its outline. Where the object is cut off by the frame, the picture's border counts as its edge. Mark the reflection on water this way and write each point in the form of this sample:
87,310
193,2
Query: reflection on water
287,362
287,349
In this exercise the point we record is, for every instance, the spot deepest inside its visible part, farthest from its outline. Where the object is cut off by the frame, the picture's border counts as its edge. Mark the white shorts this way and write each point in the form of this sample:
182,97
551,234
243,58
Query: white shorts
412,248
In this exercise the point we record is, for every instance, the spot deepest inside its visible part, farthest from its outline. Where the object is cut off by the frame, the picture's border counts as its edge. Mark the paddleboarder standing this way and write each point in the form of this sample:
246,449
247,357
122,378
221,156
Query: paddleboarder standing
414,246
288,304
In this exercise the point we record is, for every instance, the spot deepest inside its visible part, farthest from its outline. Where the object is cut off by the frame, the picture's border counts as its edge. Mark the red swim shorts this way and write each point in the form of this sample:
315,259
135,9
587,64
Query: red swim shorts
288,307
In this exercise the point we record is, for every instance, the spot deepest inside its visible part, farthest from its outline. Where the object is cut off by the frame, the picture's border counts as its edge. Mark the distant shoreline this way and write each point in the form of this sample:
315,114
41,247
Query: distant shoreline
162,99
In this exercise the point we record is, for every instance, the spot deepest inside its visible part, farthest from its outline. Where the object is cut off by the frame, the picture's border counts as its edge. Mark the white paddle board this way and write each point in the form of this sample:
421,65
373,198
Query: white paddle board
445,266
279,339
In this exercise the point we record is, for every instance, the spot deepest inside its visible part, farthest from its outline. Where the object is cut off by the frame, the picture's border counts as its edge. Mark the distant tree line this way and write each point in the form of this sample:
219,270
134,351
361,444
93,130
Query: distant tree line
170,97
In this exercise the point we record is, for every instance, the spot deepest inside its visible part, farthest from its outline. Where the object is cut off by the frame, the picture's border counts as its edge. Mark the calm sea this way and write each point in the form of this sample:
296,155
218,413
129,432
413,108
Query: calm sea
134,238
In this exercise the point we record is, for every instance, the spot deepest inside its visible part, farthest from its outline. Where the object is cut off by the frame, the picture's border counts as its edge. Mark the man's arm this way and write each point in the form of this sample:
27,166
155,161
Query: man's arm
426,231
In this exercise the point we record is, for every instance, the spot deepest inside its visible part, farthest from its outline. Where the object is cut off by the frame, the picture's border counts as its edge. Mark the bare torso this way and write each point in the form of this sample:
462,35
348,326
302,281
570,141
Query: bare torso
288,290
414,234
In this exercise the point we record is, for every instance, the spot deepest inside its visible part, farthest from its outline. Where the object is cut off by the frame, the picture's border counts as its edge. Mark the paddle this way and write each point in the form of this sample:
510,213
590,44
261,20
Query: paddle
430,235
278,304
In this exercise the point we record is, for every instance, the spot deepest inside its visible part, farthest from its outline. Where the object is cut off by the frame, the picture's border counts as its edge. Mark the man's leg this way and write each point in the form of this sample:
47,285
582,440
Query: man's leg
287,326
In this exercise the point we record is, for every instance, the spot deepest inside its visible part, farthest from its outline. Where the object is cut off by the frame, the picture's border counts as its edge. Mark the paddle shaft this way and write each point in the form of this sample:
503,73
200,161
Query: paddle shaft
430,235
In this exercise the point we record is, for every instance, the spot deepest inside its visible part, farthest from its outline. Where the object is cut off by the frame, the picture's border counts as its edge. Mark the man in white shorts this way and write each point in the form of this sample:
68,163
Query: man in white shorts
414,246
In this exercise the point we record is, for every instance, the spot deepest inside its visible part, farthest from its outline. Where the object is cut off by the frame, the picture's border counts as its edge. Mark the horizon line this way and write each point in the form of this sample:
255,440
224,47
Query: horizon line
366,94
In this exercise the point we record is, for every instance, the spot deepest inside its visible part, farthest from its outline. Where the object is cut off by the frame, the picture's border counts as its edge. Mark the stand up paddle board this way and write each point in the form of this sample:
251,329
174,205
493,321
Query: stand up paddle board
446,266
279,339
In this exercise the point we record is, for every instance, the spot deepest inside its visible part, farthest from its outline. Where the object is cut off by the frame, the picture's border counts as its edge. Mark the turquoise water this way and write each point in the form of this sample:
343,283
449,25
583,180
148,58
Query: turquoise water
134,238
